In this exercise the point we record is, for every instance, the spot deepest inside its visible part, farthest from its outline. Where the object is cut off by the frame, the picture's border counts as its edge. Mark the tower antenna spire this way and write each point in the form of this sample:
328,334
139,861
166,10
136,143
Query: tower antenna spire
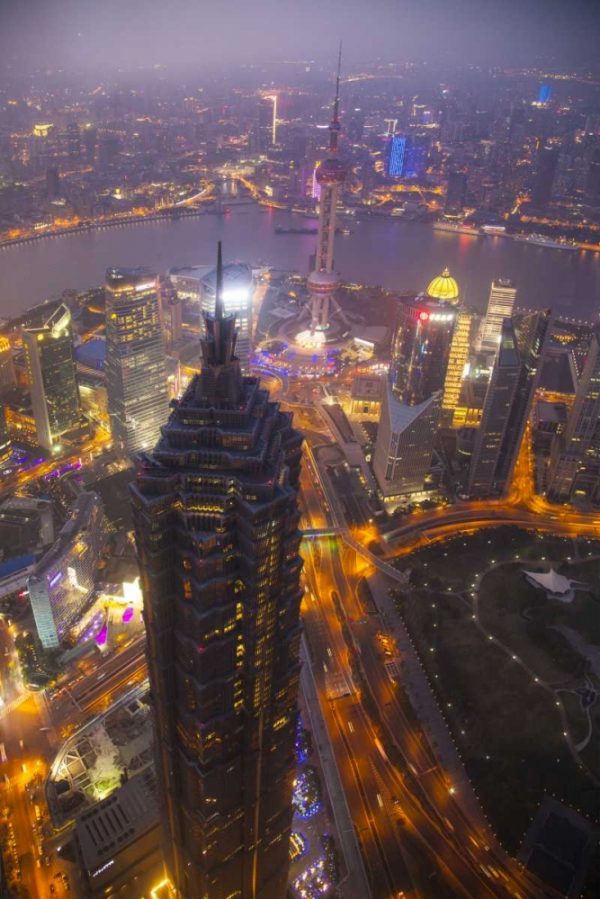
219,284
336,102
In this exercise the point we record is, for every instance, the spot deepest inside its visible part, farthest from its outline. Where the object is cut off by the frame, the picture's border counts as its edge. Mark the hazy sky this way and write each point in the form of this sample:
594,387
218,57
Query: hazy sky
110,33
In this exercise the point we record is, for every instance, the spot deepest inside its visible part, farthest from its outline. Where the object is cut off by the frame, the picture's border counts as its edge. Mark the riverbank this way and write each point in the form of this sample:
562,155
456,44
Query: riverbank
402,258
84,227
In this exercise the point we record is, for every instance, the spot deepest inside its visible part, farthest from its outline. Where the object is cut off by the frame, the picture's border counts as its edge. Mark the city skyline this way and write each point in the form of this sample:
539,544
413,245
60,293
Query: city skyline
299,551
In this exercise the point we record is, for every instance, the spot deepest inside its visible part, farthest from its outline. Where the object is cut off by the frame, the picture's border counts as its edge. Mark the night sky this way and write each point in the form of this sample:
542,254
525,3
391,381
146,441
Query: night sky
97,35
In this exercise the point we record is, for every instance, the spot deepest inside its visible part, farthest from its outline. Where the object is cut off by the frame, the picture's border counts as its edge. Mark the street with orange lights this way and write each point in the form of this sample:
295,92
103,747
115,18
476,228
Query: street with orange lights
417,834
414,834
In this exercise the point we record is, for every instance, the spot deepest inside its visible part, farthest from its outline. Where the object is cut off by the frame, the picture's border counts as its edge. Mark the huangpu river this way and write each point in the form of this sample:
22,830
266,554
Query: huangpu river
378,251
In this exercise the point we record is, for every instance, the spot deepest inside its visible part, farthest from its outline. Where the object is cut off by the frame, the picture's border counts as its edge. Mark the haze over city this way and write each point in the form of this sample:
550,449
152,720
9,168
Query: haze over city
101,37
299,449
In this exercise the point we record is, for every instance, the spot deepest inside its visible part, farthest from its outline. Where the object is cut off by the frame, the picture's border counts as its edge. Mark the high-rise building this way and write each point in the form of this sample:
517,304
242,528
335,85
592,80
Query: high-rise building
592,181
266,128
507,403
73,140
410,413
216,523
404,446
171,308
445,289
544,94
458,360
52,181
500,305
574,471
5,446
51,372
456,192
7,371
64,578
136,377
543,182
406,156
396,149
90,136
323,282
421,348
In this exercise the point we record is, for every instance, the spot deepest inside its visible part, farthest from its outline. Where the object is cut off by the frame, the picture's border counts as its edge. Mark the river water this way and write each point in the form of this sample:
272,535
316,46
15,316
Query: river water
400,256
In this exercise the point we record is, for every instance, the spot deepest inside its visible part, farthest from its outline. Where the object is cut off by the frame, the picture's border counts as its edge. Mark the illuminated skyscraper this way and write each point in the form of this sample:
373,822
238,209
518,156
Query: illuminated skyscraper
544,94
396,150
507,403
404,446
267,123
51,370
64,578
237,300
323,282
445,289
458,360
5,447
136,377
216,522
500,306
7,372
410,412
406,156
421,348
574,471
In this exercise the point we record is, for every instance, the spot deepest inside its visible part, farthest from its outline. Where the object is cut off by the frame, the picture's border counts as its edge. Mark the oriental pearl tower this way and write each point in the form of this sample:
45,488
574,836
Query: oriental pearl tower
323,282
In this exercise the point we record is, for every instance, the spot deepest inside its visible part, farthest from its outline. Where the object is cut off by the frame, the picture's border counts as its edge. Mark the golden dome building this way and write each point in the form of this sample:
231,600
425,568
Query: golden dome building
444,288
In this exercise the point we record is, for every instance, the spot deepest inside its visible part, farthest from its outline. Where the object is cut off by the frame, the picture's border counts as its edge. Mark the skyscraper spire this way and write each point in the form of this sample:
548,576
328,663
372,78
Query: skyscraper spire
219,332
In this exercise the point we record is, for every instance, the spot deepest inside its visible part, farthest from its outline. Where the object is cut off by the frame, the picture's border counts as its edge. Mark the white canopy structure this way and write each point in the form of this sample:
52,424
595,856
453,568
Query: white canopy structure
556,585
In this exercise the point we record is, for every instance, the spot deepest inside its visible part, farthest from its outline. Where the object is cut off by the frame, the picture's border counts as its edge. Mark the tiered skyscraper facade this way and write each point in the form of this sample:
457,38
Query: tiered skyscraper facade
216,523
136,376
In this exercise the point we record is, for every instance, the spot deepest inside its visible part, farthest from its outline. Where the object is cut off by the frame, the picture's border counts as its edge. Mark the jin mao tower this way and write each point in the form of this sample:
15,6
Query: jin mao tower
216,521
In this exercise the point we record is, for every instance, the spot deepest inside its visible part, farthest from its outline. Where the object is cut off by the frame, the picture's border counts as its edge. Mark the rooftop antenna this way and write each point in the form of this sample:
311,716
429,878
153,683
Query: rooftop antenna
219,284
336,104
334,127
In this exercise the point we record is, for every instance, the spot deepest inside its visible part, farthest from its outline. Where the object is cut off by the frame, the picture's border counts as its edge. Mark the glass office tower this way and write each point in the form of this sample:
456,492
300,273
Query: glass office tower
136,376
51,372
574,471
507,403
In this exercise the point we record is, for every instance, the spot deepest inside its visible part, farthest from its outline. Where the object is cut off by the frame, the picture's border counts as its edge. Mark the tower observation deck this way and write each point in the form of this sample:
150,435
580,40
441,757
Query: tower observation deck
323,282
